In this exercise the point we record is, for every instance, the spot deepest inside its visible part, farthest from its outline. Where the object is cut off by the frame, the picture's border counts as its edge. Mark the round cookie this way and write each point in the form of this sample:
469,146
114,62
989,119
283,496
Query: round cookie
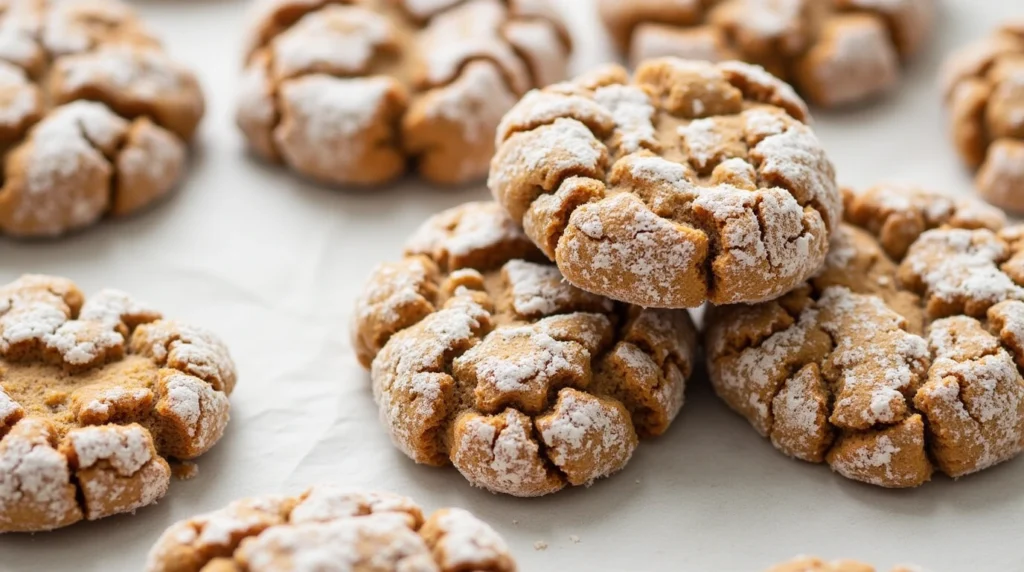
811,564
483,357
362,91
95,396
328,528
836,52
96,117
689,183
901,356
984,91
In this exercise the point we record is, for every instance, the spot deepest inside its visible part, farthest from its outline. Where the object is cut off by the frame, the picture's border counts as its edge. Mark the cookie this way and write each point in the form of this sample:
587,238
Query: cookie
483,357
901,356
810,564
689,183
330,528
984,92
836,52
96,395
363,91
96,116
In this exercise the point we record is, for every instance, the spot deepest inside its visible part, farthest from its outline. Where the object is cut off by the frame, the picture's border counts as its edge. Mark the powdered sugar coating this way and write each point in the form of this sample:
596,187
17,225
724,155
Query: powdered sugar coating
538,289
351,529
451,69
730,200
900,357
86,406
835,53
479,355
340,38
983,85
452,237
89,96
34,477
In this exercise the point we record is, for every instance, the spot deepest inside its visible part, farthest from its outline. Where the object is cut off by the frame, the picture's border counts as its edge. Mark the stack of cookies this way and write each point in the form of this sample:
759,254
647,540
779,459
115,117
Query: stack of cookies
532,341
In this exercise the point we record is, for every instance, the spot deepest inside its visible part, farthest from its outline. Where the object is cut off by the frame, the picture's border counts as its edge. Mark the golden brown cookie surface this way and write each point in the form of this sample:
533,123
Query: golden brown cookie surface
95,395
690,182
835,51
484,357
984,91
96,116
811,564
330,528
900,357
355,92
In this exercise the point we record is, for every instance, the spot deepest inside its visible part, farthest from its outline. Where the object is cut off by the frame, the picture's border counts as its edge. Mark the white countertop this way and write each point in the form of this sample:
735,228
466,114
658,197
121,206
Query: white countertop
273,265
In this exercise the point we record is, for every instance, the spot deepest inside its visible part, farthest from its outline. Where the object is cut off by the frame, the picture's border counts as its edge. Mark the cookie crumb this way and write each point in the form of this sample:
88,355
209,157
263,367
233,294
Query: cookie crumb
575,539
540,545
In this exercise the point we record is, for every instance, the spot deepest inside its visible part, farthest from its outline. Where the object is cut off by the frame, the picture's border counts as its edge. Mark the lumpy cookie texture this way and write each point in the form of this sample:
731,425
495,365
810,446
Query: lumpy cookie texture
95,115
836,52
482,356
984,91
356,92
901,356
811,564
95,396
691,182
330,529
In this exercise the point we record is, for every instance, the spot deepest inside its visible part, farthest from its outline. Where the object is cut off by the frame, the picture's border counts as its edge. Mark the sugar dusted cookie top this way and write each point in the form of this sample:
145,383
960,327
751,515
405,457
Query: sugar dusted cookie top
330,528
901,356
96,116
688,183
95,394
356,93
835,51
484,357
984,91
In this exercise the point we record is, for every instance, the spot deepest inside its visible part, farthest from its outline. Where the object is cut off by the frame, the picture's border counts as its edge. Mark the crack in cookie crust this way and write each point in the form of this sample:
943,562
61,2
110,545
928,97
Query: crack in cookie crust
326,525
96,116
836,52
484,357
355,92
900,356
692,182
95,396
984,91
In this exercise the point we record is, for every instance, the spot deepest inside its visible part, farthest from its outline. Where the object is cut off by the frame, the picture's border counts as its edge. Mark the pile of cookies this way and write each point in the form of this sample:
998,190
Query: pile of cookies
534,340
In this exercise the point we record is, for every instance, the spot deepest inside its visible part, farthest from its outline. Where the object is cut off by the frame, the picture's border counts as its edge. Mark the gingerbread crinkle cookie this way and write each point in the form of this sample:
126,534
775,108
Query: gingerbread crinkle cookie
330,528
482,356
836,52
984,91
96,395
96,116
900,357
357,92
689,183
